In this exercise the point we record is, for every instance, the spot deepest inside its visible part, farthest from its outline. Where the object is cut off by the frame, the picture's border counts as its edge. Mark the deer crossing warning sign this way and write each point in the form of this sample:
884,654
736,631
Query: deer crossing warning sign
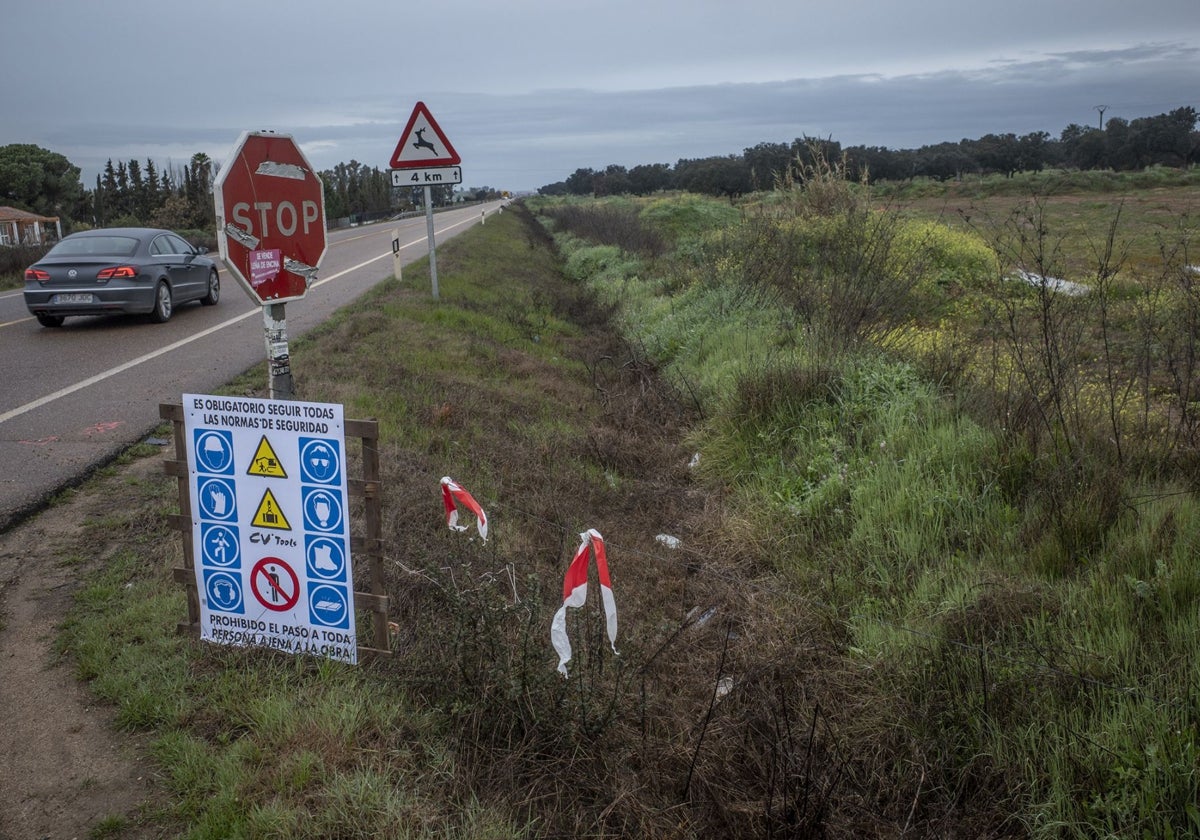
423,144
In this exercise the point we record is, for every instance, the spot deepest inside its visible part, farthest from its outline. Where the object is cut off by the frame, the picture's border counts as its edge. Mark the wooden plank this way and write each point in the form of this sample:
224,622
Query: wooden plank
371,602
174,413
362,489
176,469
366,545
373,522
362,428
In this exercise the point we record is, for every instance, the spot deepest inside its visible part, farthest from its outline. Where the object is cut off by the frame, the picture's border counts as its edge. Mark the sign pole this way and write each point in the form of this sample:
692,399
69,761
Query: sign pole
432,244
270,209
278,359
427,157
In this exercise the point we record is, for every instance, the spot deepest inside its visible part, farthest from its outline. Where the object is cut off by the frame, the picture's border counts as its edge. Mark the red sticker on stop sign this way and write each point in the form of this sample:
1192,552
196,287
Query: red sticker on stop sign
265,265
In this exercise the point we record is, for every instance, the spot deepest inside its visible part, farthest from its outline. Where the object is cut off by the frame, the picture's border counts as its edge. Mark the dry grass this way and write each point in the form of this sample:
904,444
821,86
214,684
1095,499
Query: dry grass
735,708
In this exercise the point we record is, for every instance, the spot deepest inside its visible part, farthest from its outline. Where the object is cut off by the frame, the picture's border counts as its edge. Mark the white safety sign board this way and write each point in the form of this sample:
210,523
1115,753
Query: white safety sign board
433,177
270,524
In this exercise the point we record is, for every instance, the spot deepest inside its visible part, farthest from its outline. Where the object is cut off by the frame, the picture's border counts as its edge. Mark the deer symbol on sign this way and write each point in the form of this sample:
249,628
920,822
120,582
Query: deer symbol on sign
422,143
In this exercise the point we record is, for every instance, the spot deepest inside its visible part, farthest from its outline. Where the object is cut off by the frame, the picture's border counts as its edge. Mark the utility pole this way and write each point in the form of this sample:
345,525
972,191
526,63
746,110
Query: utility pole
1101,109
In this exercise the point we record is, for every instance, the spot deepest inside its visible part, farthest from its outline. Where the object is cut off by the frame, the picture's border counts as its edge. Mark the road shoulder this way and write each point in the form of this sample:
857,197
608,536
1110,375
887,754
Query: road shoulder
67,770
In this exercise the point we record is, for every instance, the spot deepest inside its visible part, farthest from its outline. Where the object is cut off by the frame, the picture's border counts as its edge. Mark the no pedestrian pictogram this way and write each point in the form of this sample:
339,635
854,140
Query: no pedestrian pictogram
275,584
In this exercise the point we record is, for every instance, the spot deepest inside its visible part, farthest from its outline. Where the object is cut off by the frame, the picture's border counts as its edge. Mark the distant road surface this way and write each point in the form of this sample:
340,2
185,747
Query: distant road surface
73,398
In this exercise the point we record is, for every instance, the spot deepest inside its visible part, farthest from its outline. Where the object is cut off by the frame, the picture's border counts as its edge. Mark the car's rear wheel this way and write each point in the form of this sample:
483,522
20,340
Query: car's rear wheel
214,289
49,320
162,304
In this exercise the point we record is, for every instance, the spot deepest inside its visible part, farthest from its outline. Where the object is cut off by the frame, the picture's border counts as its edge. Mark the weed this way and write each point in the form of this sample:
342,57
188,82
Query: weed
617,223
964,551
114,826
894,609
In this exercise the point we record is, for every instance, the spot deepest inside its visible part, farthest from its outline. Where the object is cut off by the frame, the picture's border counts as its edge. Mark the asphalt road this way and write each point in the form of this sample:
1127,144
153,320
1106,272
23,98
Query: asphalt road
71,399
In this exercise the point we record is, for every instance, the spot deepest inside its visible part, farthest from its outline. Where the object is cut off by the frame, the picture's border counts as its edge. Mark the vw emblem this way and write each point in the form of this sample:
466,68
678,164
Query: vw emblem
72,273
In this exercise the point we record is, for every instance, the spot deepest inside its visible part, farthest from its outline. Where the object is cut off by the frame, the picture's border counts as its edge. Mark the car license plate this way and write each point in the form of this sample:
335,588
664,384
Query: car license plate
71,299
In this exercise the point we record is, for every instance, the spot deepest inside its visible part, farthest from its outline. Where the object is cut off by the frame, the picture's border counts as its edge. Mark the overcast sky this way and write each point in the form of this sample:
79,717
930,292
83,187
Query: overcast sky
528,91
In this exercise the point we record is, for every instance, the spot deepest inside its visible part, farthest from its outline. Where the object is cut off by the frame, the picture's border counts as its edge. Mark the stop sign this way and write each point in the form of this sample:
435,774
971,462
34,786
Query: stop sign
270,217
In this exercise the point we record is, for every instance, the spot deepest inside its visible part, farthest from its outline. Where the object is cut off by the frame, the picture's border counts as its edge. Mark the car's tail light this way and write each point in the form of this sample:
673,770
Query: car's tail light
36,274
117,272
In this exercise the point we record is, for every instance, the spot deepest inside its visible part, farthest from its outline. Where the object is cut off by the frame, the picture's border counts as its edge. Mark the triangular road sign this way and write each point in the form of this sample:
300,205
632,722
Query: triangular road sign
422,144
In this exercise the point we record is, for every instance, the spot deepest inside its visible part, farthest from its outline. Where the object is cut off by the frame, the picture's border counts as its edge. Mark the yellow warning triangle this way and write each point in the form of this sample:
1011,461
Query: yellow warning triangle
265,461
269,515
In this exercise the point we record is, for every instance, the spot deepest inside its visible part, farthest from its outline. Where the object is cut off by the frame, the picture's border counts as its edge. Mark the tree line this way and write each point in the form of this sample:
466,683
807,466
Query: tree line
132,193
138,193
182,199
179,197
1169,139
128,195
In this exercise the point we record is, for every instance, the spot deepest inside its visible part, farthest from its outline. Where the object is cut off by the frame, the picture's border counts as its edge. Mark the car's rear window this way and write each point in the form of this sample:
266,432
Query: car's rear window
107,246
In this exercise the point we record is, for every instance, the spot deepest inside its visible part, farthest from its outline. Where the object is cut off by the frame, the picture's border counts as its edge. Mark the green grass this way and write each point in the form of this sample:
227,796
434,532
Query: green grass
253,744
1149,220
1007,611
892,613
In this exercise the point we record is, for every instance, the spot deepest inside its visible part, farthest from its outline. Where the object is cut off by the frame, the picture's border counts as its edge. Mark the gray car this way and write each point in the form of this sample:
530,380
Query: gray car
133,270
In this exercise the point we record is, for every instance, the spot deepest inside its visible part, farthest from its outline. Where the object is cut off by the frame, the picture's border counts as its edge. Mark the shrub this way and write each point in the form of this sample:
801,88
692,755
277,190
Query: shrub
841,274
615,223
688,216
944,256
14,260
586,262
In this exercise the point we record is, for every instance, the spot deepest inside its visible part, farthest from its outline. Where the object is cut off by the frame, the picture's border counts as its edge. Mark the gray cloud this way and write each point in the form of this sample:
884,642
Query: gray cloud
530,90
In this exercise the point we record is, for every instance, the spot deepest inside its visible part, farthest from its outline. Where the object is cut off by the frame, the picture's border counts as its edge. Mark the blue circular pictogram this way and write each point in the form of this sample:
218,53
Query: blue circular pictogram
217,498
224,590
320,461
322,510
328,606
214,451
325,558
220,545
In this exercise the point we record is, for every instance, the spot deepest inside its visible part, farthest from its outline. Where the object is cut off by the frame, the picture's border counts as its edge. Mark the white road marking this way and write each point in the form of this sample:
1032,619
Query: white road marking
132,363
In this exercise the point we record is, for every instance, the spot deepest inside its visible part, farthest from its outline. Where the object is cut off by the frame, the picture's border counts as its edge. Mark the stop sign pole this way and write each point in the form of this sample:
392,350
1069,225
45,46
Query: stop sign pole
271,234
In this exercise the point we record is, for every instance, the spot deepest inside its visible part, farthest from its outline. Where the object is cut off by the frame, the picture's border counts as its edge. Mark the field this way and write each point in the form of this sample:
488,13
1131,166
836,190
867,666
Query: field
935,572
1145,220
